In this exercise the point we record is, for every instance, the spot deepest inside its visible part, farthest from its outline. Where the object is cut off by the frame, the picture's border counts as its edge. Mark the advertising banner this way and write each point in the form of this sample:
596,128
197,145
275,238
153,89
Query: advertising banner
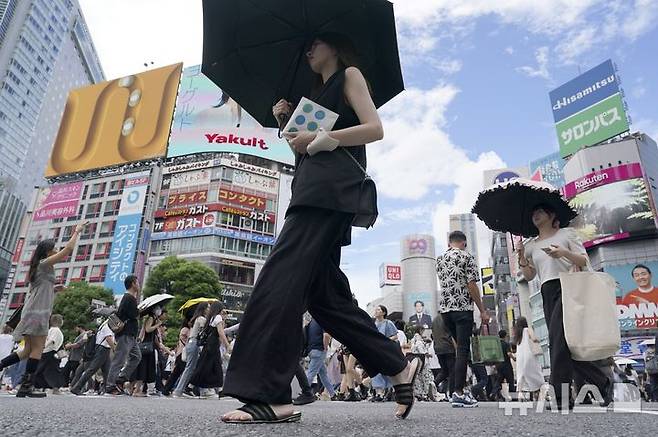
181,223
188,167
208,120
191,198
637,295
58,201
612,204
549,169
632,347
242,199
250,168
264,216
418,246
115,122
390,274
497,176
255,182
126,234
584,91
202,232
189,179
18,251
597,123
487,275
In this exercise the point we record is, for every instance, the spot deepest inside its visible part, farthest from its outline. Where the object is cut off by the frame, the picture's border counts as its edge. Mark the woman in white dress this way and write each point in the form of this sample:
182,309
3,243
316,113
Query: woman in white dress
528,369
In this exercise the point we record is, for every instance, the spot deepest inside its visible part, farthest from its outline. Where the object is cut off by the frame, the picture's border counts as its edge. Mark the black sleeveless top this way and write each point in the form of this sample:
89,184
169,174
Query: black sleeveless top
330,180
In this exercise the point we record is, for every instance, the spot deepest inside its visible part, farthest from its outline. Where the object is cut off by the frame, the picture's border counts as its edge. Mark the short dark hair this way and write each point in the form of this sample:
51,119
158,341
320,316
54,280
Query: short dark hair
129,281
548,209
502,333
419,302
640,266
456,237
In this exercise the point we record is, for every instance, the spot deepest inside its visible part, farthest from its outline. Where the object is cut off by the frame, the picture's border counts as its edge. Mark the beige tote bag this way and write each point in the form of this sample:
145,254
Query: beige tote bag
590,315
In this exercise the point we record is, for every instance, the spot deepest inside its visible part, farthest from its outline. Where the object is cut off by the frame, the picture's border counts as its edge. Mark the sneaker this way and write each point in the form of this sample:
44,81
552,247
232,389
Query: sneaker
304,399
463,401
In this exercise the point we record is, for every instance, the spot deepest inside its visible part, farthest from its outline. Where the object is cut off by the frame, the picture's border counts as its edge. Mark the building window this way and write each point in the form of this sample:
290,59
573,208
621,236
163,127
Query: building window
112,208
107,229
97,190
93,210
89,232
97,273
116,187
102,250
78,274
83,253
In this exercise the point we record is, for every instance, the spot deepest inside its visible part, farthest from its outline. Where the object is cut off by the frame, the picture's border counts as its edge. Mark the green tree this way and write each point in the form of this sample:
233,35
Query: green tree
74,304
185,280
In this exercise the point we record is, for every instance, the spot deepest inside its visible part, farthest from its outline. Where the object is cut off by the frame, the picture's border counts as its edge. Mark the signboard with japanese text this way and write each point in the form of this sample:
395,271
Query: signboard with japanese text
242,199
588,109
181,199
549,169
179,168
255,182
58,201
126,234
201,232
250,168
637,295
265,216
189,179
208,120
181,223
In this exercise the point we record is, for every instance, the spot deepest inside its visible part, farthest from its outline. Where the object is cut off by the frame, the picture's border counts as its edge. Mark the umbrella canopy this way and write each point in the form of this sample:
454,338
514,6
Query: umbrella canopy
649,342
193,302
154,300
254,50
507,206
621,361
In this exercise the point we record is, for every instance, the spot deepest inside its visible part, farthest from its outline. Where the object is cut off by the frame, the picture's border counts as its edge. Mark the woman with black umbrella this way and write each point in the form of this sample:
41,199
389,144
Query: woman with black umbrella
303,270
558,250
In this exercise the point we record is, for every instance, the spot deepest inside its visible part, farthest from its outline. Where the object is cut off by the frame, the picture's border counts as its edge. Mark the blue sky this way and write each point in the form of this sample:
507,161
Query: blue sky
477,74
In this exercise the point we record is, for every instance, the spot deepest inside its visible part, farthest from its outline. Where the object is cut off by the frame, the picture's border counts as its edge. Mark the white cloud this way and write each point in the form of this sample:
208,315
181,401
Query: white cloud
509,50
541,56
128,33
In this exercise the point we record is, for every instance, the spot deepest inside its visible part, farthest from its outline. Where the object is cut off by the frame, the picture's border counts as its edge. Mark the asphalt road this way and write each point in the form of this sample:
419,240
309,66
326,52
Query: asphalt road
67,415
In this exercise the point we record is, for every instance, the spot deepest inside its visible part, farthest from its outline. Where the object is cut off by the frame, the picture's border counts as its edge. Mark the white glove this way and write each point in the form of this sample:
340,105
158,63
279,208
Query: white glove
322,143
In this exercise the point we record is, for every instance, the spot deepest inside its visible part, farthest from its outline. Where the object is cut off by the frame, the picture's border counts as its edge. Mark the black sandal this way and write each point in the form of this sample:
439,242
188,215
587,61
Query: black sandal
404,393
263,413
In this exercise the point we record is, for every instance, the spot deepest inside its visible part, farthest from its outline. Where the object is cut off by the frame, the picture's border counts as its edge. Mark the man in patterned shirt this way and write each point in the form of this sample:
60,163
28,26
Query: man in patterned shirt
458,277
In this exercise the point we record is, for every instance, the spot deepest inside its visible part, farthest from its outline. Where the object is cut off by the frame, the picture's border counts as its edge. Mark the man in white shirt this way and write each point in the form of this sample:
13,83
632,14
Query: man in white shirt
101,360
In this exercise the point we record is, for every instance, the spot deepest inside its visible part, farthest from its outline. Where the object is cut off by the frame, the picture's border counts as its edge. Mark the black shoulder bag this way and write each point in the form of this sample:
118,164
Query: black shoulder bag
366,214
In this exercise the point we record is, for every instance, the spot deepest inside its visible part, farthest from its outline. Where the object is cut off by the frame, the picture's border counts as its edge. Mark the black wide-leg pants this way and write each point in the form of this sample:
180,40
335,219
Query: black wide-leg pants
562,365
302,273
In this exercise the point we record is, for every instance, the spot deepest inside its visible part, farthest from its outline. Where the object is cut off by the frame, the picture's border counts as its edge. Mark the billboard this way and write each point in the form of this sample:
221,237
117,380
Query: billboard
390,274
549,169
256,182
206,231
588,109
637,295
190,198
115,122
492,177
189,179
126,233
58,201
612,204
487,275
248,200
418,246
208,120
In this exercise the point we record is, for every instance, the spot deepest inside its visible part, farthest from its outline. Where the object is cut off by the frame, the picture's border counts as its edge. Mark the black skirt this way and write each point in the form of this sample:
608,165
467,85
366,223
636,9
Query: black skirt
209,373
145,371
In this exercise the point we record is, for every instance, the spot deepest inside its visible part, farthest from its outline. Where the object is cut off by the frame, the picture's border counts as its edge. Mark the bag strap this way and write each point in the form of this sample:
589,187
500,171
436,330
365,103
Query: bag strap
358,164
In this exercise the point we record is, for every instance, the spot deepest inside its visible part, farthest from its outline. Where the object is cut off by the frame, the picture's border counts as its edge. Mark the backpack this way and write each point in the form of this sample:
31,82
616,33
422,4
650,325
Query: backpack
115,323
90,347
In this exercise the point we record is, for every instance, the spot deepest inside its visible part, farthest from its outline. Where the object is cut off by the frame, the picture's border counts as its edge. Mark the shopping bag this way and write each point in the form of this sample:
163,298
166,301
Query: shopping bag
310,116
590,315
486,349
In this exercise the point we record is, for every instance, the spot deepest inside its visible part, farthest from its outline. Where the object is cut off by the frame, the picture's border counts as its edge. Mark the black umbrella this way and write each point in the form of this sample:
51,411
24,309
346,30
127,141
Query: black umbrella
507,206
255,49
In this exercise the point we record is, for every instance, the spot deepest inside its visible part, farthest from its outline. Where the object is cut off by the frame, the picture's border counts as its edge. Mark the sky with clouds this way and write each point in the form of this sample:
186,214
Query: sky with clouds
477,75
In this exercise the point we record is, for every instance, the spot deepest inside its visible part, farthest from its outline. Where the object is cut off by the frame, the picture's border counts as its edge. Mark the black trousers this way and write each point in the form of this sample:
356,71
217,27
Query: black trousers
179,366
460,327
69,371
562,365
447,362
101,360
505,373
302,273
304,385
